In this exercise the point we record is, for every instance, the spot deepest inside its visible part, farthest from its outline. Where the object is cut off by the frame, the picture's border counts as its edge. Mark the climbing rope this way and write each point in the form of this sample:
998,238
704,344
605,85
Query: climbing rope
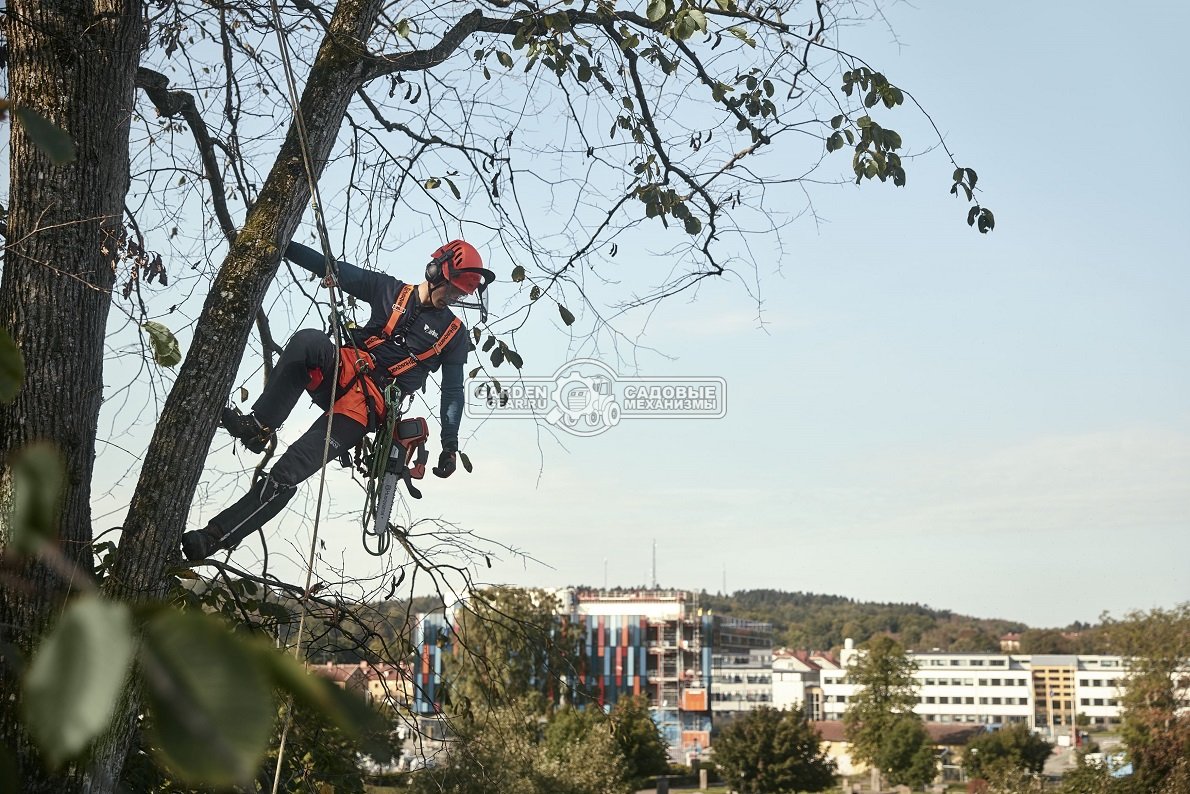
331,282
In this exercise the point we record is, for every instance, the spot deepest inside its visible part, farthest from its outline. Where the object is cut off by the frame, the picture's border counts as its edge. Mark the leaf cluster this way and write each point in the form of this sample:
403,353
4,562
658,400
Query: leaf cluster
767,751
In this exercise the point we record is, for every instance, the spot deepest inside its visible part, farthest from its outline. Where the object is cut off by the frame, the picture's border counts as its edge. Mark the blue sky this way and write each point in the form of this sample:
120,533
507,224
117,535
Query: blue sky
996,425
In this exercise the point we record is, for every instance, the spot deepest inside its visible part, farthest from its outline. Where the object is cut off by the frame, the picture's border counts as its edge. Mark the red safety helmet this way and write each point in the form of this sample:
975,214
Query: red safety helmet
460,264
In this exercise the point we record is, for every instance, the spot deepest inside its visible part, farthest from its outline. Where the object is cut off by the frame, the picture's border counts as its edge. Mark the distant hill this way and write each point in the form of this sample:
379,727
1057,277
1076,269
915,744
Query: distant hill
822,622
800,620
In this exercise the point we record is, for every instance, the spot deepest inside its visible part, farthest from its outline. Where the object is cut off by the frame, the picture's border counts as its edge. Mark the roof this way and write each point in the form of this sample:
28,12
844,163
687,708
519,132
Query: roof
813,660
370,672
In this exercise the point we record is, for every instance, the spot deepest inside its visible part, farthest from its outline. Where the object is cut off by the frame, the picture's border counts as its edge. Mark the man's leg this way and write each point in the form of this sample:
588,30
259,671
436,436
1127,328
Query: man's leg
306,350
269,496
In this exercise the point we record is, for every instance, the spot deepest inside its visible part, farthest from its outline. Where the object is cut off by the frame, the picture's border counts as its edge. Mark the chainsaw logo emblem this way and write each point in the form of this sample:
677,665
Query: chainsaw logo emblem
585,397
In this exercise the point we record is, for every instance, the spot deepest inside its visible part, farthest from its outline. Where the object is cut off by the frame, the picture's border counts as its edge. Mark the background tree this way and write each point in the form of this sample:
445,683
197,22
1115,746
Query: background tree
1156,725
908,757
1046,641
641,744
821,622
638,740
767,751
510,645
686,93
1012,747
508,754
878,711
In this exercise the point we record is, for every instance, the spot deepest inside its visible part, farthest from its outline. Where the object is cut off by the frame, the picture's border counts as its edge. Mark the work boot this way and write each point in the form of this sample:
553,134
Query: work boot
200,544
247,429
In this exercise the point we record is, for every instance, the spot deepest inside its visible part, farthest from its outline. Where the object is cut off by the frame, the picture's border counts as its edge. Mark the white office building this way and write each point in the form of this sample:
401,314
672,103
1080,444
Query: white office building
1041,691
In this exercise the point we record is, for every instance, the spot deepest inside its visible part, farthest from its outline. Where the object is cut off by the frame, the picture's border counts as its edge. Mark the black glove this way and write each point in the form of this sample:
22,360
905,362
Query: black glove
446,464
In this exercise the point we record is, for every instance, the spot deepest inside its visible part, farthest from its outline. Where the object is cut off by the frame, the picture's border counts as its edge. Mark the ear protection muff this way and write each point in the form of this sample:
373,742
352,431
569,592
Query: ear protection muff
434,273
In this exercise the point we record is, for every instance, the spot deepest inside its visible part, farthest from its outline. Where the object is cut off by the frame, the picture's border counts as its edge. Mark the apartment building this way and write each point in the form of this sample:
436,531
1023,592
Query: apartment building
652,642
741,665
655,643
797,680
1041,691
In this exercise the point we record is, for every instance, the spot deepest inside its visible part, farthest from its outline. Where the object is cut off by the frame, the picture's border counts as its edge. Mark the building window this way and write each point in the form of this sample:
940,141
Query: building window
977,662
930,699
1085,702
983,682
970,701
944,699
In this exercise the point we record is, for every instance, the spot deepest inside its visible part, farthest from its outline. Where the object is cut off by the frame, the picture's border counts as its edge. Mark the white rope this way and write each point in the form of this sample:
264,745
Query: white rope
331,282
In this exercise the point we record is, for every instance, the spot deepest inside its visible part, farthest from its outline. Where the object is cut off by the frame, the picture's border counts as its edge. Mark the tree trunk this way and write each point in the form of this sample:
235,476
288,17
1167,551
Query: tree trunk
73,63
177,453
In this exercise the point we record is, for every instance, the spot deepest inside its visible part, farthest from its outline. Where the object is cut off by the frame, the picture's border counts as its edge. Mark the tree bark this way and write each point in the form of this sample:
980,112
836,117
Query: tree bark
73,63
177,453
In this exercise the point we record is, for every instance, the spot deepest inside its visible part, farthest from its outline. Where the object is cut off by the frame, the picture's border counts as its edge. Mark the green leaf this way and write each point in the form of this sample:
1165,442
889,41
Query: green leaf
466,461
52,140
453,188
38,476
514,358
487,345
656,10
12,368
166,351
432,183
693,225
567,317
892,139
837,121
850,137
498,356
698,18
76,676
971,176
584,73
535,293
504,58
835,141
518,274
403,28
987,221
972,214
209,696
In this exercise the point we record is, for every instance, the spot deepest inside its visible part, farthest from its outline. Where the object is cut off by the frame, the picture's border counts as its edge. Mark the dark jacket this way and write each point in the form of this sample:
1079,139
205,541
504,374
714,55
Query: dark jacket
419,329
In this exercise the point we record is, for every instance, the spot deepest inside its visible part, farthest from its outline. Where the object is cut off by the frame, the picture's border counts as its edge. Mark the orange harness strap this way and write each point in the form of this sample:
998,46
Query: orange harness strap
415,359
394,318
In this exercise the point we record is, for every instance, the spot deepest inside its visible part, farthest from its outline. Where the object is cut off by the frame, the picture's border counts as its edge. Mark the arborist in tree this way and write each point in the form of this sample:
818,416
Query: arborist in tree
411,332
